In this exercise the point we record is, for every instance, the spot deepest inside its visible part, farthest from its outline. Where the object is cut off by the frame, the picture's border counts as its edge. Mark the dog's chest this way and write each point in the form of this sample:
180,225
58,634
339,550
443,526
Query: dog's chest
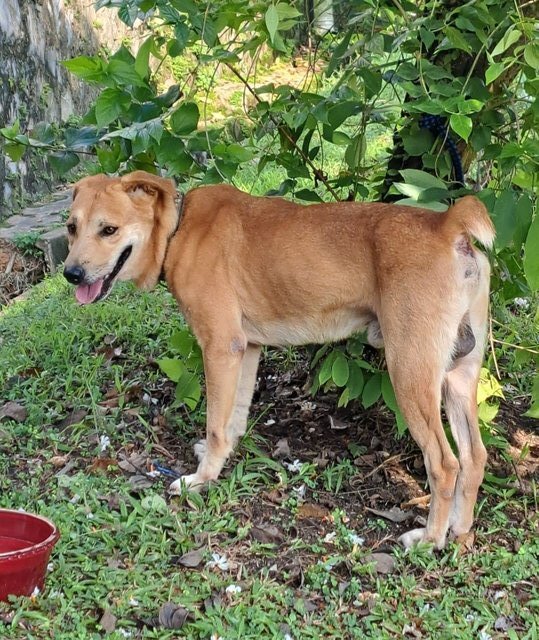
327,326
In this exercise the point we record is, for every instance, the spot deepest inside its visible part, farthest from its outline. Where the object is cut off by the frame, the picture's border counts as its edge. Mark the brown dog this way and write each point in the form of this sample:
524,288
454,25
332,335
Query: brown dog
250,271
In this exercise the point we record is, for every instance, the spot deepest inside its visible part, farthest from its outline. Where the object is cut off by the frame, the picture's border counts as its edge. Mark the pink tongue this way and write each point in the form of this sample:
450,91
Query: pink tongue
86,293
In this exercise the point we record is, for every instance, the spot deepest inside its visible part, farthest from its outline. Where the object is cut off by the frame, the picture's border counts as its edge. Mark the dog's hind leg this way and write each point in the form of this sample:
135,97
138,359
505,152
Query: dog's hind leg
416,363
460,400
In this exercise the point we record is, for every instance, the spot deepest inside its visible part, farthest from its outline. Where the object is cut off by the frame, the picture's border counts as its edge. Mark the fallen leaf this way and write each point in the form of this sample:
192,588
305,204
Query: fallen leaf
338,425
172,616
421,501
191,559
504,623
134,463
383,562
108,621
276,496
58,461
267,534
312,511
394,514
139,482
75,417
282,450
102,465
14,411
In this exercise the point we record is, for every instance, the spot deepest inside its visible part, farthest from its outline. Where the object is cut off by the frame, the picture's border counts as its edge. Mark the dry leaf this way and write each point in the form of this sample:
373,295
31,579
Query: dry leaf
75,417
276,496
313,511
383,562
267,534
102,465
282,450
139,482
135,463
394,514
338,425
58,461
172,616
108,621
14,411
422,502
191,559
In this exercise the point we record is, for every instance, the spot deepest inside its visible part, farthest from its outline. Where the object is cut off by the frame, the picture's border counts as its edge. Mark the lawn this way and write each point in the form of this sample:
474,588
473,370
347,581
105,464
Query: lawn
295,541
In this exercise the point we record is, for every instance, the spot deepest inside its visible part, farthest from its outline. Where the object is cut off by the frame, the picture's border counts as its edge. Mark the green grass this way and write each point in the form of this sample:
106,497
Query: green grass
119,548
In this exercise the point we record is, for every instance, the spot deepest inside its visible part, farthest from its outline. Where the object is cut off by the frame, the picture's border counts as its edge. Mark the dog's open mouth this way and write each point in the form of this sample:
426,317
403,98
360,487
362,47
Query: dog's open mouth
87,293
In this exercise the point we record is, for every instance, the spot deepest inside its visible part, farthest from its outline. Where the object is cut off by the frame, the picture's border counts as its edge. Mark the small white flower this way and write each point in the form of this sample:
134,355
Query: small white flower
75,499
50,566
330,537
233,588
219,561
104,443
125,633
214,636
470,617
269,422
355,539
35,592
523,303
153,474
426,607
133,602
300,492
287,636
483,635
90,516
295,466
500,594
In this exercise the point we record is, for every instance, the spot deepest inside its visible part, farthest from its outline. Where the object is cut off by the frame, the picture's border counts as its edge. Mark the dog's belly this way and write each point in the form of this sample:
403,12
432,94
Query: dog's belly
329,326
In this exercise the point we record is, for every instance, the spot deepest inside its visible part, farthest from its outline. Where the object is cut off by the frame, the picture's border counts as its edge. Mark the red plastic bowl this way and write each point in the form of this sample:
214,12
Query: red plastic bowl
26,542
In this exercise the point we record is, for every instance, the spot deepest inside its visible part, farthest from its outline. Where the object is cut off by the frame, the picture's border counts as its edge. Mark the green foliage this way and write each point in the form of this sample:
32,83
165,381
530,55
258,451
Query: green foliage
185,368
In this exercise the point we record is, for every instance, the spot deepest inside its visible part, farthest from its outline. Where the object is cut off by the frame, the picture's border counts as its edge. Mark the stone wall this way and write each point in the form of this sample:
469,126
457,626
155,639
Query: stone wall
35,35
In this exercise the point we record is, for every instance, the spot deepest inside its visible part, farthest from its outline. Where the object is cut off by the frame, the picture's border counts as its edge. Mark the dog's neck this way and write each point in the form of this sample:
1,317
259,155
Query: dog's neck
179,208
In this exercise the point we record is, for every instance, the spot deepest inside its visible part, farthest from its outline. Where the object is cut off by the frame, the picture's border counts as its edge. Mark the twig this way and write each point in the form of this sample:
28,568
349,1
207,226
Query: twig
515,346
491,340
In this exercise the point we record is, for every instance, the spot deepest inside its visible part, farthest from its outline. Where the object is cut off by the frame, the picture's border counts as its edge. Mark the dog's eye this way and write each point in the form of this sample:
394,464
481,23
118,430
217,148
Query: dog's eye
71,228
109,231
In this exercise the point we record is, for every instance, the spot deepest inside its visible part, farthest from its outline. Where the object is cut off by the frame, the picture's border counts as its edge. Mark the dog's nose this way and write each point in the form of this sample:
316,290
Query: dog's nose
74,274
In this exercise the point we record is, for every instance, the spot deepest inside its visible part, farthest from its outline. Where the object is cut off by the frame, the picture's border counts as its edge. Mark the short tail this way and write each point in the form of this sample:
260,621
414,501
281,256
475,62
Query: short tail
469,215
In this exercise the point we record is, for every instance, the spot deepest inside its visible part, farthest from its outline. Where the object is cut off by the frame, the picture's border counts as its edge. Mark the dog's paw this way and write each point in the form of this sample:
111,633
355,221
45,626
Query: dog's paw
416,536
191,482
200,449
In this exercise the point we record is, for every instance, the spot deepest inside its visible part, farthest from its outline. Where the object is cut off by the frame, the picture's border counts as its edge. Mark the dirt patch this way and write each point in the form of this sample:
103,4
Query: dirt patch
18,271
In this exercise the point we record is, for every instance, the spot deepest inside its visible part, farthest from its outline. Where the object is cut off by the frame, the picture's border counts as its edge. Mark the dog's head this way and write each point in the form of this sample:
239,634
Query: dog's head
118,229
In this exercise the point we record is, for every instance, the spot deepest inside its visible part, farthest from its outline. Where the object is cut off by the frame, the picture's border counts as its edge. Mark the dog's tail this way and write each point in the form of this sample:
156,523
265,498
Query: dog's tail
469,215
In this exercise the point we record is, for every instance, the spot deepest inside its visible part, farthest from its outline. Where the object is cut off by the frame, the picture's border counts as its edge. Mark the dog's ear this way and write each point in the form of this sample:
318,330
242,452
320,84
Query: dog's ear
143,184
89,181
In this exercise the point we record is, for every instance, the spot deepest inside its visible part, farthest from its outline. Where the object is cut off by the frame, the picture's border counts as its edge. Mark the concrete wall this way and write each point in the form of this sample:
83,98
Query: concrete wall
35,35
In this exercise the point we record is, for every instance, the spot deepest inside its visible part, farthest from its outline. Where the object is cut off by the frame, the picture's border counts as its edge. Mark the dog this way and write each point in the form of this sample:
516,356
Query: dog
252,271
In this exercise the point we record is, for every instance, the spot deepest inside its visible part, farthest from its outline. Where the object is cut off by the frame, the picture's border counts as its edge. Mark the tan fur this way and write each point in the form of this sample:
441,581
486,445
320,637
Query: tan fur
250,271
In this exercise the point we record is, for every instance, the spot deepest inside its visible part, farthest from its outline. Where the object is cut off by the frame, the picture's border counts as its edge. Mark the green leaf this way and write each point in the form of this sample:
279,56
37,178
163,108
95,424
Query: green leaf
183,342
356,380
533,411
188,390
340,370
509,39
155,503
462,125
326,369
109,157
531,254
142,61
456,38
87,68
531,55
372,390
124,73
523,218
417,142
271,18
488,387
493,71
185,119
503,216
62,161
338,53
422,179
172,368
388,394
307,195
15,150
109,105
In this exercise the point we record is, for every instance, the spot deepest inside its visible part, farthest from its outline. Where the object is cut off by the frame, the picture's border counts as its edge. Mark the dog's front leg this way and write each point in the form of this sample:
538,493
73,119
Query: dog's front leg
222,367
